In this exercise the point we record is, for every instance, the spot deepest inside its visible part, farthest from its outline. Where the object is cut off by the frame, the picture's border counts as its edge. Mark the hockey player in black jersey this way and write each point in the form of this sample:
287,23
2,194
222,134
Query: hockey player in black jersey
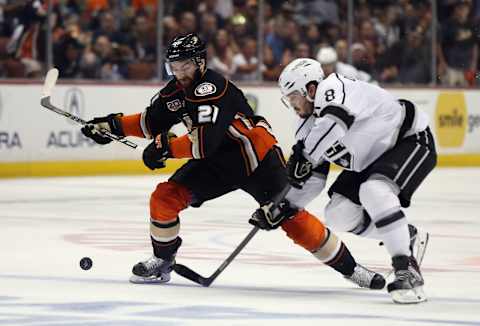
229,148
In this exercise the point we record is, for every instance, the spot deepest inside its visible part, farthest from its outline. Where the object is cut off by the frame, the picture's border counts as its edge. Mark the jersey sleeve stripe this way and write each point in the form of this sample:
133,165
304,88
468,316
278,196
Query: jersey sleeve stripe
144,126
242,151
343,88
194,138
339,114
248,146
322,138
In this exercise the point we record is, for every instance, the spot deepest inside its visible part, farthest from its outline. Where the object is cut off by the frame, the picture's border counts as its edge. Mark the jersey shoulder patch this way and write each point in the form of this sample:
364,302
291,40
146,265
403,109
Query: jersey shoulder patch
205,89
212,86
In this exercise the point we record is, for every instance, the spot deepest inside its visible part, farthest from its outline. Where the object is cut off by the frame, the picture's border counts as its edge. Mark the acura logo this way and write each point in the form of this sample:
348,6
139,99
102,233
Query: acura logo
74,103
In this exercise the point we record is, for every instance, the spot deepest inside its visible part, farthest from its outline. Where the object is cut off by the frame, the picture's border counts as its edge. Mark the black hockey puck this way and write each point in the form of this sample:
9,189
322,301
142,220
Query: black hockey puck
86,263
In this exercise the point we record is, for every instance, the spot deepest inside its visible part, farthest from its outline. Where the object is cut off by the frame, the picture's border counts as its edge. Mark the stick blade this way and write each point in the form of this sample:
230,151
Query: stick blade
186,272
50,81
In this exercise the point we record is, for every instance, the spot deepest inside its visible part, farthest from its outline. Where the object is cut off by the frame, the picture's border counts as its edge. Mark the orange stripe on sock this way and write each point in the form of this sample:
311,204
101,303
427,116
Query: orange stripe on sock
305,230
131,125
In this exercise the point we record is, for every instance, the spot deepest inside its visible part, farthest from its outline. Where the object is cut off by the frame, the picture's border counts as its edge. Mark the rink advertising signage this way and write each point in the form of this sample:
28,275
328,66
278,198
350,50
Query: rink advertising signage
8,139
453,121
74,103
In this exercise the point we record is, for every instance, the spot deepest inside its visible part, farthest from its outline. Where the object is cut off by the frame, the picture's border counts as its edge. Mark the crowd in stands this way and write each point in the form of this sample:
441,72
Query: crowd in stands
117,39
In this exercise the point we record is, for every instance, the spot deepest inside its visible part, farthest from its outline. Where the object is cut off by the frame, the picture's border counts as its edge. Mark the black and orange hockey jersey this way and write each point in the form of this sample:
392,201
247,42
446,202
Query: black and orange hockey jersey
217,116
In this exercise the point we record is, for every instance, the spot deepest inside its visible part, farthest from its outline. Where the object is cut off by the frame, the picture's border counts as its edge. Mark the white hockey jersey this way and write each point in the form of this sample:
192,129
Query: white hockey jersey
353,123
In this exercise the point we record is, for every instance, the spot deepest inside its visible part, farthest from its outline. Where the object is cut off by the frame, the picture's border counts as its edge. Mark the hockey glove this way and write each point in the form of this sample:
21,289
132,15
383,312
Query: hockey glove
269,217
110,123
299,169
157,152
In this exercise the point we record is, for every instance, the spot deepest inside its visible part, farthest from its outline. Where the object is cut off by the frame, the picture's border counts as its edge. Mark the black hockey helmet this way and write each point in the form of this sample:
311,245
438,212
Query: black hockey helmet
188,46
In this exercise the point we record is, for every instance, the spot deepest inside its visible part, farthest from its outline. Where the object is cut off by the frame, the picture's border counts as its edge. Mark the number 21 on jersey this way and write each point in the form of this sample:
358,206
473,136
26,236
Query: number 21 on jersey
207,113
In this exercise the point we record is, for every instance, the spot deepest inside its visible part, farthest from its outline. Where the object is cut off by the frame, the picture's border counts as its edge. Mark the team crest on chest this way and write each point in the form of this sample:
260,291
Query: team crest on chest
174,105
205,89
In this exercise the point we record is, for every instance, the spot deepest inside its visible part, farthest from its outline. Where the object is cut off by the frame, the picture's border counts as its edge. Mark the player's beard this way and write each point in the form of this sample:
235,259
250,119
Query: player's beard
185,82
302,114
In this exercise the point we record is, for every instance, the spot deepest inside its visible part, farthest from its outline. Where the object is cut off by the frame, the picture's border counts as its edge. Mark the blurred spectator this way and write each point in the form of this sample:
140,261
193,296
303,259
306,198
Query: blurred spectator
327,56
143,40
277,39
316,11
67,56
147,7
415,59
208,27
458,53
271,70
27,41
222,60
245,63
109,27
188,23
360,59
116,39
387,27
210,7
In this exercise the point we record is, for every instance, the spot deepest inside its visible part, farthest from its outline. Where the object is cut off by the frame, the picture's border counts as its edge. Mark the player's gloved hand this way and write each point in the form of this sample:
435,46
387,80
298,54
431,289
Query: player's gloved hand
299,169
269,216
110,123
157,152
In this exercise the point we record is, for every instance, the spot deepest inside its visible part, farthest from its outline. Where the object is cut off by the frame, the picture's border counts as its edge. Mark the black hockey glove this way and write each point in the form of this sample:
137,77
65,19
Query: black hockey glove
299,169
157,152
269,217
110,123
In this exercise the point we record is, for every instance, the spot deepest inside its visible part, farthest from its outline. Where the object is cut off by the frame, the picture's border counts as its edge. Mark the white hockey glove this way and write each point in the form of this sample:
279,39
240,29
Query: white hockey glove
299,169
269,217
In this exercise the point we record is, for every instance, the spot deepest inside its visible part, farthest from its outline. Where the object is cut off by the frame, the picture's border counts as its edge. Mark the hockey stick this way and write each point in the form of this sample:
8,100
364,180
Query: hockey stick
188,273
50,81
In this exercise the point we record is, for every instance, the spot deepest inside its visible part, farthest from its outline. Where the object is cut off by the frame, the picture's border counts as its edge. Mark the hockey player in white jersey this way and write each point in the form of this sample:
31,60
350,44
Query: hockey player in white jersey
386,150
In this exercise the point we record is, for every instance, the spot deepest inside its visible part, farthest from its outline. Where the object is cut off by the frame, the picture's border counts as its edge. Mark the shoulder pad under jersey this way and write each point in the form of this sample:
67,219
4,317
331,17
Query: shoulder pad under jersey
170,89
212,86
330,91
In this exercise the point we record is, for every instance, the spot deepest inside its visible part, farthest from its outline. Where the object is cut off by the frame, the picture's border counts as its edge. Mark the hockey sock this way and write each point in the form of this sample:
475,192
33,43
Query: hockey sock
166,250
394,231
334,253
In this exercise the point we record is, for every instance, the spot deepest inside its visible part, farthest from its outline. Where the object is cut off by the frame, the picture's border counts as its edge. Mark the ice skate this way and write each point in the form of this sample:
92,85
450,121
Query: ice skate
418,243
366,278
152,270
407,287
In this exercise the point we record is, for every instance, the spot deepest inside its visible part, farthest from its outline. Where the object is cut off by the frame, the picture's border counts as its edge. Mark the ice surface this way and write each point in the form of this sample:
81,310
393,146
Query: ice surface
48,224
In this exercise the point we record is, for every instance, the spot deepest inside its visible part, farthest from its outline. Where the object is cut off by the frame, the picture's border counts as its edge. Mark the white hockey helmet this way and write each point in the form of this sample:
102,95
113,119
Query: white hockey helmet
297,75
327,55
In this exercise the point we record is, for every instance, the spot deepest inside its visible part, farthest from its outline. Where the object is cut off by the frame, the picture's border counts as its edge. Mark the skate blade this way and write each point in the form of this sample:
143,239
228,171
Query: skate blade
409,296
149,280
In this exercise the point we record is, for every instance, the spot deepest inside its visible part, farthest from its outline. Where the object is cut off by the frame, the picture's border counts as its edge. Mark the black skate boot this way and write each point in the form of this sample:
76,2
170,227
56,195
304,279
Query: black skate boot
408,284
157,268
366,278
152,270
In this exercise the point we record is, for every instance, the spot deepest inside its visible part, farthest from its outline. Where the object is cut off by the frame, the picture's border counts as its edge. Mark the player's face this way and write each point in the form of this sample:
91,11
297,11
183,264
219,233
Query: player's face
302,107
184,71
